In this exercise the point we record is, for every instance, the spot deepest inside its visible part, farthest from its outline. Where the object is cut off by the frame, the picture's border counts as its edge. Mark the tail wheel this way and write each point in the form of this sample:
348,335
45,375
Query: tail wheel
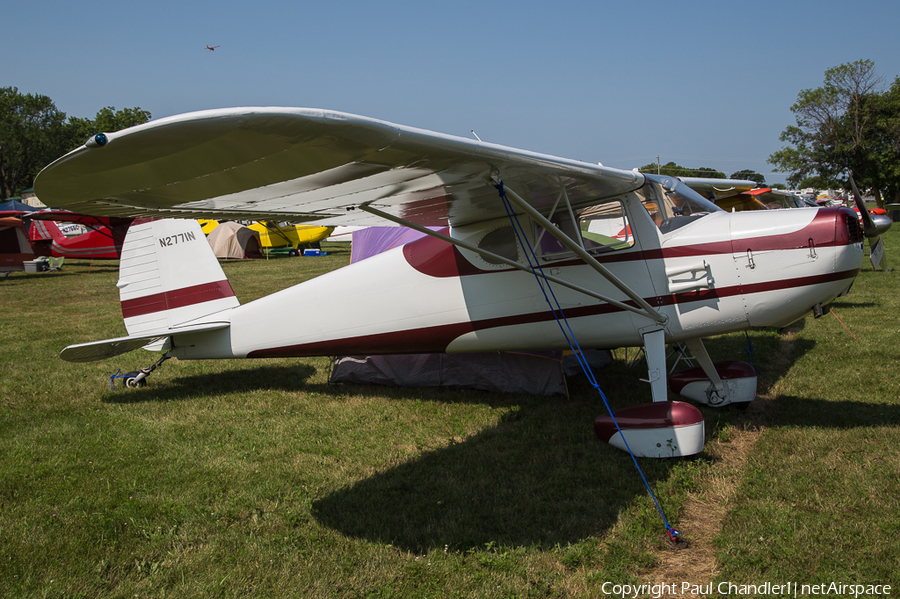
133,382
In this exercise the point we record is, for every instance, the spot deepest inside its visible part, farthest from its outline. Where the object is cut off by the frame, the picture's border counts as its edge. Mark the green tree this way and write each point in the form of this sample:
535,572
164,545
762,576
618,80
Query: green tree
884,155
750,175
32,133
709,173
108,120
673,170
850,123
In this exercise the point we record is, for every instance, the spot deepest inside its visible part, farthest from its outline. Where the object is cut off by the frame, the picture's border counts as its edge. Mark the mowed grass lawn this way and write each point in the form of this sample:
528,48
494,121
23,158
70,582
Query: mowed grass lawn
258,478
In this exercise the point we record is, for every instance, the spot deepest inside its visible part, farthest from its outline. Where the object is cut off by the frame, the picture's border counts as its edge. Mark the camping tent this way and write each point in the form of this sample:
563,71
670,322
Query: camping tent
14,247
234,240
14,204
374,240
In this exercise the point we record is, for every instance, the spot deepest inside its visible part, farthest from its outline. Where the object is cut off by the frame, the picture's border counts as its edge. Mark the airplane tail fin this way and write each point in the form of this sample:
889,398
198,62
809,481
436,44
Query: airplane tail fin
44,230
170,278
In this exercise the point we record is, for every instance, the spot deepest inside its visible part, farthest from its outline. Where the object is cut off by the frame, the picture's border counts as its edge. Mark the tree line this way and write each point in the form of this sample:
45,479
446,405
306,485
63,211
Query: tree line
673,170
34,133
849,124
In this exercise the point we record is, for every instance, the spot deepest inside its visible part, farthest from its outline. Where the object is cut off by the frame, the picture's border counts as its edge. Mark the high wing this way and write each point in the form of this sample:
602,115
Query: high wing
300,165
728,194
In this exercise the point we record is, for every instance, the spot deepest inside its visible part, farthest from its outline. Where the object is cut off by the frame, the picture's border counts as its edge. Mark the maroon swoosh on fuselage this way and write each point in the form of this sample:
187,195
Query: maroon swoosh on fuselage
436,339
437,258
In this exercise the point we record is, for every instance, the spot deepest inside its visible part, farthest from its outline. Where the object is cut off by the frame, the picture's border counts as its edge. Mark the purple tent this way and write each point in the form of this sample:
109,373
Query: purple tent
374,240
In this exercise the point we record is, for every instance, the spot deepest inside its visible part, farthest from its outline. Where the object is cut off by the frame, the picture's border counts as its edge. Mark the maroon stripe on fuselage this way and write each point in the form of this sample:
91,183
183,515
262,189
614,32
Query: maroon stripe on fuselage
436,339
427,340
179,298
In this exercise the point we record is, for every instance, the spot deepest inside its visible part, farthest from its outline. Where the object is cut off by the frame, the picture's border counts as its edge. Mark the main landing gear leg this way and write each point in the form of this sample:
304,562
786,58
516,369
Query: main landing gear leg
661,428
717,393
655,352
715,384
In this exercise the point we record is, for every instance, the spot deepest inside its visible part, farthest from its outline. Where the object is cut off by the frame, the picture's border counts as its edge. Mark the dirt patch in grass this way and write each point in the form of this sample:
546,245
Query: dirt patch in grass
701,519
704,511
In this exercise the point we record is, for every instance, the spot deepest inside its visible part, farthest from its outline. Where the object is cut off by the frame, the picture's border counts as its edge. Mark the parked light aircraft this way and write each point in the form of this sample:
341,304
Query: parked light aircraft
288,237
102,241
293,237
633,259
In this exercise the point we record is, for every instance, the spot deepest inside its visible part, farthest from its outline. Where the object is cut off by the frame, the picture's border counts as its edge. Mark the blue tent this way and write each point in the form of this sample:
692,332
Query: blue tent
14,204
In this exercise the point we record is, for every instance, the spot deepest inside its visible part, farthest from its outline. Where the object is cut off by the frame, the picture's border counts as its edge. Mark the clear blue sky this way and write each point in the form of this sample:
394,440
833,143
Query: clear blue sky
700,83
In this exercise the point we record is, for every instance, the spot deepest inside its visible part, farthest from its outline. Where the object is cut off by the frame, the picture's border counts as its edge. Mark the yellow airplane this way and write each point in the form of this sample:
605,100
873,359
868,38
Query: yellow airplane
207,225
274,236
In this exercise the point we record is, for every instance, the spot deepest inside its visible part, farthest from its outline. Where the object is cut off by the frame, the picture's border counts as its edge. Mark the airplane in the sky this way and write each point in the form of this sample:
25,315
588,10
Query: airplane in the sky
211,48
532,252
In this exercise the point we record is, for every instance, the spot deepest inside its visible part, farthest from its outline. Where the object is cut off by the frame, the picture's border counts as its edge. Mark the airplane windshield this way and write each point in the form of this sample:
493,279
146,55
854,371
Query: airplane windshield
673,204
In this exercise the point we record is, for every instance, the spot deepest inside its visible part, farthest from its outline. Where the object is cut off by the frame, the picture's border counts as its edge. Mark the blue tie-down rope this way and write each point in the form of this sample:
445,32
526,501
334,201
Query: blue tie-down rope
749,351
561,320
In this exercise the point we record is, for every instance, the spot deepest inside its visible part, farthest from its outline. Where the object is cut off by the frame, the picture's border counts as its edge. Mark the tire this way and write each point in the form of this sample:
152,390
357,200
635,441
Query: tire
132,382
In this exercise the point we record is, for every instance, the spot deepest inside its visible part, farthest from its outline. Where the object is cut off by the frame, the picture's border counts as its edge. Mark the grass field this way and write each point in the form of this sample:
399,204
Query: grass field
258,478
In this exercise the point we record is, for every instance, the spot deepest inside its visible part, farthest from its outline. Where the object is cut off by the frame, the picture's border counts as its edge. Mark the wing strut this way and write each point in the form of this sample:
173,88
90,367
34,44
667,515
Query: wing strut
496,257
648,310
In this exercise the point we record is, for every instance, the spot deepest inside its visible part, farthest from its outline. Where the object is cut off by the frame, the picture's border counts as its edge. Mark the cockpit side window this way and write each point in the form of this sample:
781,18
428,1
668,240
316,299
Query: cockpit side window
600,228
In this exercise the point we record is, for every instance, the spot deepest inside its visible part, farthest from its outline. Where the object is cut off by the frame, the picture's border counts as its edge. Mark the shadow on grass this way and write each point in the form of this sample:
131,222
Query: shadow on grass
792,411
80,267
16,278
238,380
539,478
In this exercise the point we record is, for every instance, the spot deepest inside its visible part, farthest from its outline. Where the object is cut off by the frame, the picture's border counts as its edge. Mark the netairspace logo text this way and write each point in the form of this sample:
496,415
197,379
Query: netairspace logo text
789,589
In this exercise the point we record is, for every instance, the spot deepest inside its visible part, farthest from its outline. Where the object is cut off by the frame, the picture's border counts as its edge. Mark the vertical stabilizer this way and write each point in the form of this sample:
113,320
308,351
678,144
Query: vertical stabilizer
44,230
169,277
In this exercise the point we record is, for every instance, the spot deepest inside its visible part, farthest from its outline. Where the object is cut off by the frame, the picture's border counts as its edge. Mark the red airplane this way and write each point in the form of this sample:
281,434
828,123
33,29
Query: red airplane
103,241
211,48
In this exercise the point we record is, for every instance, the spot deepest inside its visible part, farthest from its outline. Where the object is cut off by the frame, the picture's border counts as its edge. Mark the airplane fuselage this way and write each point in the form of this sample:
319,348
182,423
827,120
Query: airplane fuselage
720,273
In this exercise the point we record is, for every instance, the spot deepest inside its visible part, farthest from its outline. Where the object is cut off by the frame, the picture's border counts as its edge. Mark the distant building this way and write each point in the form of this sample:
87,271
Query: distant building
29,198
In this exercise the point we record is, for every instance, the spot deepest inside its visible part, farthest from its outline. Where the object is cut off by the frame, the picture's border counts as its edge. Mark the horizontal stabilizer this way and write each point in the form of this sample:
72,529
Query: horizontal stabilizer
109,348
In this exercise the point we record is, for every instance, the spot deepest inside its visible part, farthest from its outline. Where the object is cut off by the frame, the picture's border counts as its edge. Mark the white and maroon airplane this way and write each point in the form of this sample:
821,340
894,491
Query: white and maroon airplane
633,259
